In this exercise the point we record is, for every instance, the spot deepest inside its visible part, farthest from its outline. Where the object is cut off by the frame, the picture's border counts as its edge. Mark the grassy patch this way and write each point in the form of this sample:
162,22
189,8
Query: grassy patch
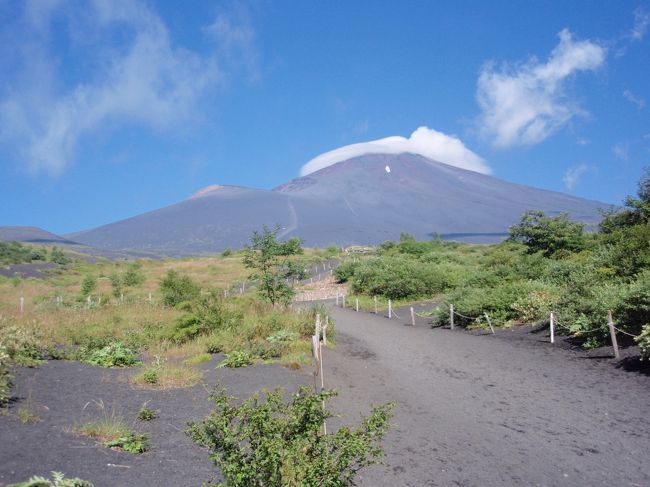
112,431
198,359
161,374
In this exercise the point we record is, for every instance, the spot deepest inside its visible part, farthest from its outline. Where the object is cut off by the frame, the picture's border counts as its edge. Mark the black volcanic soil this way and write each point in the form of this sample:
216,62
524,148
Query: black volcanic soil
471,410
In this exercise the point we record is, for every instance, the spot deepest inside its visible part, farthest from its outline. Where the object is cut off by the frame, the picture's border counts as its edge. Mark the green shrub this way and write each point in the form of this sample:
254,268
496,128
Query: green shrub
235,359
275,443
114,355
643,340
208,313
633,309
22,346
6,379
227,252
131,443
147,414
133,276
58,480
176,288
88,285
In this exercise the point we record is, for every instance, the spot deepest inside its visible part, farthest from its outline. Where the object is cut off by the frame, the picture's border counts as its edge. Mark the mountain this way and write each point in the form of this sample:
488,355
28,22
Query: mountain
32,235
39,236
364,200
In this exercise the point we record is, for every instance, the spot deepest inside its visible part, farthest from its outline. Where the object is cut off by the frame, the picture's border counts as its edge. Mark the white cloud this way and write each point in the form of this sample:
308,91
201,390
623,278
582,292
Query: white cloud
424,141
526,103
621,151
632,98
140,77
641,24
573,175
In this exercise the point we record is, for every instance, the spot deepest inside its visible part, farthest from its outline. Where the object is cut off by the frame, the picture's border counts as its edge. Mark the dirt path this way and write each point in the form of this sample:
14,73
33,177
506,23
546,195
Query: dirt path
490,411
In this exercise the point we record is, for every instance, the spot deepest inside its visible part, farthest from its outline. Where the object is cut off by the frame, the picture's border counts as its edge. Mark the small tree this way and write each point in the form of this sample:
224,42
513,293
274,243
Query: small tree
548,234
133,276
88,285
176,288
272,443
270,261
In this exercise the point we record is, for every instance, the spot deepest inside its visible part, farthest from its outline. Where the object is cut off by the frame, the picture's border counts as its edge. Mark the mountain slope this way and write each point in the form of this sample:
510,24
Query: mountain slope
358,201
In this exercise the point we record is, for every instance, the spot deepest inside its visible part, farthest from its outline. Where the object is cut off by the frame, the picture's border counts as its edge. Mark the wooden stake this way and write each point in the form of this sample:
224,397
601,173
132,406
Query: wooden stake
343,300
337,299
375,299
552,319
612,332
327,322
412,317
489,322
150,297
451,316
390,309
356,304
22,305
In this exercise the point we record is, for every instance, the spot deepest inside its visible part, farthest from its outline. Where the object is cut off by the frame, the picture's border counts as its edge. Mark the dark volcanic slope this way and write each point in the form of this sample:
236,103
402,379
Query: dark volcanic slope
352,202
32,235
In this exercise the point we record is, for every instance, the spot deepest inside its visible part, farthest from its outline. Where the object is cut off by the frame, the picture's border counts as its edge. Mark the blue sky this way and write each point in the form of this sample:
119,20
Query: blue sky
113,108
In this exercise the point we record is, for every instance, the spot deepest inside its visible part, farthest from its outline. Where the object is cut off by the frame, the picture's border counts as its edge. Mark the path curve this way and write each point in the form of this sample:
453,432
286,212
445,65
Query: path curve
488,411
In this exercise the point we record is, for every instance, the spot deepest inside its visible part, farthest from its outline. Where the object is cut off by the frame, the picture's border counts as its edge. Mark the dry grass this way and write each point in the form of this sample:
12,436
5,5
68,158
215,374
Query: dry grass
167,376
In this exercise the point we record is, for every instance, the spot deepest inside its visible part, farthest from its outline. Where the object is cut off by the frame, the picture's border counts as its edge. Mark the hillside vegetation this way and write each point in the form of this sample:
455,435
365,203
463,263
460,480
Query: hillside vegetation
165,316
547,264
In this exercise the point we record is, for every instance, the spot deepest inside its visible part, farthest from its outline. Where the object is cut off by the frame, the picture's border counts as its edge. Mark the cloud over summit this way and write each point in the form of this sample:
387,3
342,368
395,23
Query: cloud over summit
424,141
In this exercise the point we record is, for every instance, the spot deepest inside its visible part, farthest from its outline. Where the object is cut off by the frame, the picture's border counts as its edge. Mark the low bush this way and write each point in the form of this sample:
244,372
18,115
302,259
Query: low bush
275,443
643,340
206,314
57,480
176,288
147,414
235,359
114,355
131,443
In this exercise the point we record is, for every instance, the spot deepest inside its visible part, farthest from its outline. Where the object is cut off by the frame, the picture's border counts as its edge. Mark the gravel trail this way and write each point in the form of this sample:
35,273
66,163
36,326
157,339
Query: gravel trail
488,410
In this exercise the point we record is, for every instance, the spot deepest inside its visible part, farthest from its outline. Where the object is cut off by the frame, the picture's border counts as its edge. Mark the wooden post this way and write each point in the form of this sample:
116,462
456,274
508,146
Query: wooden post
451,316
149,297
317,327
343,300
552,320
22,305
612,332
356,304
88,301
122,297
337,299
390,309
412,317
99,301
489,322
375,299
327,322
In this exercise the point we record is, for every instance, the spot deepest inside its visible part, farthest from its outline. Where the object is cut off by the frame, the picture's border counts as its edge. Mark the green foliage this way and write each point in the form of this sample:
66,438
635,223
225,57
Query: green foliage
117,284
22,346
227,252
133,276
643,340
131,443
635,212
6,379
269,260
282,336
207,313
88,285
275,443
346,270
176,288
147,414
236,359
550,235
115,354
57,480
12,252
59,257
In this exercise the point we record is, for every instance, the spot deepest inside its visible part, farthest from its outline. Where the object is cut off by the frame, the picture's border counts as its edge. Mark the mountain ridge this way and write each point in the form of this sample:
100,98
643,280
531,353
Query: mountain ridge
363,200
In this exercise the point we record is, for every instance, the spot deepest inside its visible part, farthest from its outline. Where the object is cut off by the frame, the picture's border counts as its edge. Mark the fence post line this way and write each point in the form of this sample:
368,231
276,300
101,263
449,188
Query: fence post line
356,304
390,309
375,299
552,327
412,317
612,333
489,322
451,316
